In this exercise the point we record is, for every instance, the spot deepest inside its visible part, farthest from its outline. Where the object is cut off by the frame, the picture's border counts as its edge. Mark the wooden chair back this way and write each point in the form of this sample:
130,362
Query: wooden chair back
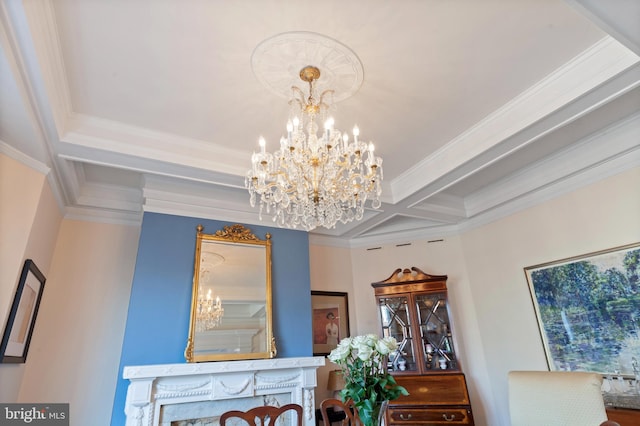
330,406
265,415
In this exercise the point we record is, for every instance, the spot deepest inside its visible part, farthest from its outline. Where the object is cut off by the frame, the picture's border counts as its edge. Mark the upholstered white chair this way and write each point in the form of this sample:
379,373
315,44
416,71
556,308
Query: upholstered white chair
556,398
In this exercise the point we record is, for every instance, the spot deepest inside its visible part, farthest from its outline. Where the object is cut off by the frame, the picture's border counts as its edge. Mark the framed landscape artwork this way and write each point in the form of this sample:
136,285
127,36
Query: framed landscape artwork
330,320
588,310
22,317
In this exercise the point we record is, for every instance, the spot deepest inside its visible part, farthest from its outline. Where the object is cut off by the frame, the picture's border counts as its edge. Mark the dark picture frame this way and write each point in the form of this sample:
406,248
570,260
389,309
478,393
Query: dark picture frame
586,307
330,320
22,317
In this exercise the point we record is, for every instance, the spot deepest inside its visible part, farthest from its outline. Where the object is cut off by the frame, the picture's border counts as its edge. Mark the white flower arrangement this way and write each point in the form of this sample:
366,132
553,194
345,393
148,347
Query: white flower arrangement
363,360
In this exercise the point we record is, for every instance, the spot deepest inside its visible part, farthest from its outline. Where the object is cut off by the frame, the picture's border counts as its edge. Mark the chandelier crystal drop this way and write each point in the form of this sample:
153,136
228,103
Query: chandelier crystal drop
314,180
210,312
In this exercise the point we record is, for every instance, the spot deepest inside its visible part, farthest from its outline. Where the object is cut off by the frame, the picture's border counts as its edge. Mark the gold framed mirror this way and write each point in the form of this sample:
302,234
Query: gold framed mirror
231,297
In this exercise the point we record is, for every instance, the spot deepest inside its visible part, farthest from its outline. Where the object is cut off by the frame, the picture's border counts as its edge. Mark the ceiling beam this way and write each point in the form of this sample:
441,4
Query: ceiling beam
618,18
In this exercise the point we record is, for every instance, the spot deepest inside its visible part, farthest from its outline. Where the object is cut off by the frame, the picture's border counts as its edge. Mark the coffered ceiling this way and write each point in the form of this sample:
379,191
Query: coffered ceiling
479,108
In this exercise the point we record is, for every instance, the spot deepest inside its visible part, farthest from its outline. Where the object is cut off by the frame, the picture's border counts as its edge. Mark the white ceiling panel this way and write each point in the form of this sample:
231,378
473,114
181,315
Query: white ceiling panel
159,97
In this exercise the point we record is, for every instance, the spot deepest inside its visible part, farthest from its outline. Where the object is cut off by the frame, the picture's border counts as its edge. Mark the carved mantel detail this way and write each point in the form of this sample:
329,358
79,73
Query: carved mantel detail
153,388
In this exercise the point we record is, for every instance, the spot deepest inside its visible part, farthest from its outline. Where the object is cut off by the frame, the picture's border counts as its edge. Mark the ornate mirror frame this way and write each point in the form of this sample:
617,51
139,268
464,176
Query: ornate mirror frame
243,329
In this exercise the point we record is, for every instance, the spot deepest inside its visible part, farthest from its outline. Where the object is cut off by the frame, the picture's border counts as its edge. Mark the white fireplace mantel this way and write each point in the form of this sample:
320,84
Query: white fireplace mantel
155,391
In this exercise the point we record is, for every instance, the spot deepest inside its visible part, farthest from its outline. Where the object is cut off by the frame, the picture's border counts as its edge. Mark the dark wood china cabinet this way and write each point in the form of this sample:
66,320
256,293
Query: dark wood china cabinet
414,309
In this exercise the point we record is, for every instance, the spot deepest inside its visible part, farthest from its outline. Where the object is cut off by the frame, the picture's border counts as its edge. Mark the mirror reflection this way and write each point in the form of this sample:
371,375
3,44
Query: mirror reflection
231,301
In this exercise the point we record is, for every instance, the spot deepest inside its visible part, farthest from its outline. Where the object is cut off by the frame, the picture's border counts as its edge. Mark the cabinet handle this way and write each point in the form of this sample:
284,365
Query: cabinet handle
408,417
449,419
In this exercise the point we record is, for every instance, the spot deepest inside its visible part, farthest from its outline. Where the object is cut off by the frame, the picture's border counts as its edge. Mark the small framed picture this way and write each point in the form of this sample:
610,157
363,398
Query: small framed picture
330,310
22,317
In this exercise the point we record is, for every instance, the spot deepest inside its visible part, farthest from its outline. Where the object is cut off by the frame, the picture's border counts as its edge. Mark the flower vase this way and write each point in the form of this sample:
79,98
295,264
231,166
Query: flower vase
381,415
377,416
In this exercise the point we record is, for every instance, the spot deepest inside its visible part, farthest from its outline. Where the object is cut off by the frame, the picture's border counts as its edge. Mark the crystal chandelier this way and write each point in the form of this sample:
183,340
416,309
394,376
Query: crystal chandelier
209,313
314,180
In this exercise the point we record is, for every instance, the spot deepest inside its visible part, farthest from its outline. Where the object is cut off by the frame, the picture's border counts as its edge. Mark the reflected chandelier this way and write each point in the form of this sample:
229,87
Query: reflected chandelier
314,180
210,312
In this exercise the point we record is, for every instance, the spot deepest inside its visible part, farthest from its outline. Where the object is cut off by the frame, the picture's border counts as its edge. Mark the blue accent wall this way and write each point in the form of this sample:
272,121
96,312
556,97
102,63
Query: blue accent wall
158,318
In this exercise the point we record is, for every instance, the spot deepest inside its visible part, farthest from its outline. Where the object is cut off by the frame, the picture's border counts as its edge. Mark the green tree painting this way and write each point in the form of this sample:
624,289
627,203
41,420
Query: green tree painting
589,310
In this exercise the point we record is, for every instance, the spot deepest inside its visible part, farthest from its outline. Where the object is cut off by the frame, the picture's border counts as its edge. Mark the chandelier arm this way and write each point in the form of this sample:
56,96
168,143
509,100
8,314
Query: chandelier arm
268,186
321,101
364,176
272,185
366,179
309,183
297,91
298,101
285,176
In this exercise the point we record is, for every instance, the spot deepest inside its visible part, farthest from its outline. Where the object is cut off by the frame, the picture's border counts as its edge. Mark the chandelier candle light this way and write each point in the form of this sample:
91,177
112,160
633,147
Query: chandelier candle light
210,312
314,180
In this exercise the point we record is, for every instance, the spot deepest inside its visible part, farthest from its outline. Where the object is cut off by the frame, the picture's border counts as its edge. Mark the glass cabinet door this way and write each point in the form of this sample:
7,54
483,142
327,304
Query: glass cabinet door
396,322
435,332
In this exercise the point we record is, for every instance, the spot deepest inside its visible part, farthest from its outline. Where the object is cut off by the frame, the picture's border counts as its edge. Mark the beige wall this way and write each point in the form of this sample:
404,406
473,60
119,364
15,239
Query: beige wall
82,320
493,319
80,326
29,222
19,203
601,216
330,270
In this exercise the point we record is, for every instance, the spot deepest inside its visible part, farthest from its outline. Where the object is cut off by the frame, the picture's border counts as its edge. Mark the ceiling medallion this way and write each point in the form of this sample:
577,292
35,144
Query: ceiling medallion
277,61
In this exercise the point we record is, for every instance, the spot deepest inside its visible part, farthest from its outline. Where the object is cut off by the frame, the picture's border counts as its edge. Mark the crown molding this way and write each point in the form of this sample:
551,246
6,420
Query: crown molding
48,72
618,18
160,198
447,205
111,197
182,198
598,64
614,141
612,167
608,92
399,237
204,212
111,136
33,164
43,90
89,214
617,164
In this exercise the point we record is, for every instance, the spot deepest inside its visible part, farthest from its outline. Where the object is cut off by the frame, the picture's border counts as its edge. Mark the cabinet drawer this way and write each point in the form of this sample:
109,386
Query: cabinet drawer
624,416
433,389
430,416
